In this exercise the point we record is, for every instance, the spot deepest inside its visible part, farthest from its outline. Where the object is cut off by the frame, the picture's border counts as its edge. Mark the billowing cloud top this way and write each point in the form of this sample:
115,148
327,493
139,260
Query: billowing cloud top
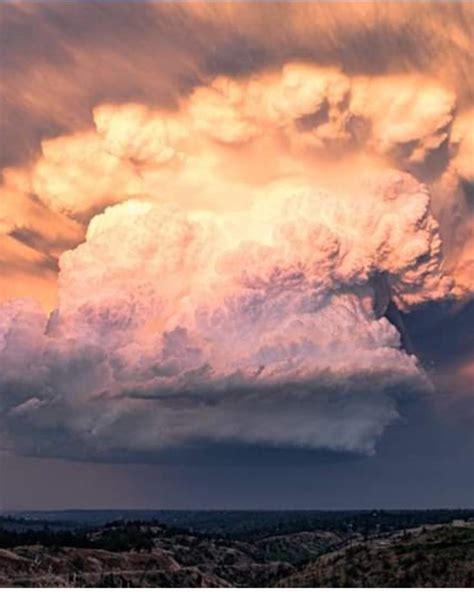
225,263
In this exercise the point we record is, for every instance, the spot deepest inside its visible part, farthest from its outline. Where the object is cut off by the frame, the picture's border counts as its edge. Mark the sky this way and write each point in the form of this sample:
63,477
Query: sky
236,255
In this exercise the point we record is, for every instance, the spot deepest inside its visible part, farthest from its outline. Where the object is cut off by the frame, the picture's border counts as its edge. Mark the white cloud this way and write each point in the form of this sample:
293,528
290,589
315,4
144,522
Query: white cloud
252,326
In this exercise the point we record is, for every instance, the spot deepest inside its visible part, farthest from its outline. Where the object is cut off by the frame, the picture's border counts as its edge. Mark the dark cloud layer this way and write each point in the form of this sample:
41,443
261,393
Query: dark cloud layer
421,462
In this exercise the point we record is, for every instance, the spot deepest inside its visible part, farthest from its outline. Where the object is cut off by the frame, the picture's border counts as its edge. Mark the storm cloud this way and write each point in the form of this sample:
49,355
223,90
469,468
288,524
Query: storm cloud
207,229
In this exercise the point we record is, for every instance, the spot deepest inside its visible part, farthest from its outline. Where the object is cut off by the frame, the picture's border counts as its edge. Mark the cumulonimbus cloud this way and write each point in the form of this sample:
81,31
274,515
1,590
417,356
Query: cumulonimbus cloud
240,253
262,325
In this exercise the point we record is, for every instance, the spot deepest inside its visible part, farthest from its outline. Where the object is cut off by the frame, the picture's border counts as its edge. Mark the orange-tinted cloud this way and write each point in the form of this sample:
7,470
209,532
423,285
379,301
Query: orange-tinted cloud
65,62
232,206
303,120
61,59
32,238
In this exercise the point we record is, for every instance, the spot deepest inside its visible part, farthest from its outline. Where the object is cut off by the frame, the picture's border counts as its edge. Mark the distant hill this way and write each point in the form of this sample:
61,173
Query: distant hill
440,557
242,524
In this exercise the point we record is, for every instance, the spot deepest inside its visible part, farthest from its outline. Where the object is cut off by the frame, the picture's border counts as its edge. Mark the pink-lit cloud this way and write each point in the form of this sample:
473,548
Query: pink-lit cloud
226,260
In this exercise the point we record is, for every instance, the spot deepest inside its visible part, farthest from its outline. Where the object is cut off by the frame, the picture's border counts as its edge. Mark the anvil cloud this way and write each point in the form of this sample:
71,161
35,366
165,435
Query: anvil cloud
226,263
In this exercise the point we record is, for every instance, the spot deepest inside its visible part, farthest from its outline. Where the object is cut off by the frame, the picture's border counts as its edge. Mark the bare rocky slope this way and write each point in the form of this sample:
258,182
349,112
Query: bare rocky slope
425,557
152,555
159,557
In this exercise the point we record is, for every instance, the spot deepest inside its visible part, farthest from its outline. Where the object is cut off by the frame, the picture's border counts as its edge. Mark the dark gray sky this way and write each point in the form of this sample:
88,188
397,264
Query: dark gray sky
422,465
